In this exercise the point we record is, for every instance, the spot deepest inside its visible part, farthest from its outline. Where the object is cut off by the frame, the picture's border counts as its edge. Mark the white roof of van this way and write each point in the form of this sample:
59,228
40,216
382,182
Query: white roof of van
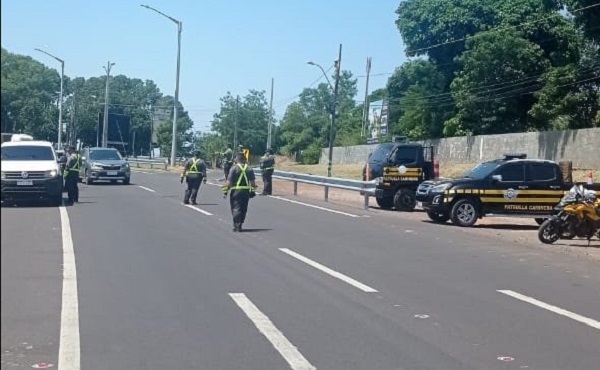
28,143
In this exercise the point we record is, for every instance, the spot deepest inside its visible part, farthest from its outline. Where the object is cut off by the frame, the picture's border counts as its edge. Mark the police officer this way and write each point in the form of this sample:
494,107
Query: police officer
194,173
227,160
267,166
241,183
71,174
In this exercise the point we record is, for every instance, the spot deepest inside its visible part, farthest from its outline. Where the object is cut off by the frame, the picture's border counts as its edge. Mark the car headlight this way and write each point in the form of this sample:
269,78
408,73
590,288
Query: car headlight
52,173
440,188
125,167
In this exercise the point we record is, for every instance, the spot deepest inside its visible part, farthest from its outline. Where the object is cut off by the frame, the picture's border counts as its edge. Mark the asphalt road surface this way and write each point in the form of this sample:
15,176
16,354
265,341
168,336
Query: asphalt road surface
132,279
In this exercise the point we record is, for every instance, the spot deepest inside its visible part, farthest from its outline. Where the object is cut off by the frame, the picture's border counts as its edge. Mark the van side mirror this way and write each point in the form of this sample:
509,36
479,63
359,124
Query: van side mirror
497,178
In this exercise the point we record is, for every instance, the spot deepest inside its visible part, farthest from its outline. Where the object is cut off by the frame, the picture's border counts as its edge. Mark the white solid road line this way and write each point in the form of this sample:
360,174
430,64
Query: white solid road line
327,270
313,206
69,348
585,320
198,209
287,350
147,189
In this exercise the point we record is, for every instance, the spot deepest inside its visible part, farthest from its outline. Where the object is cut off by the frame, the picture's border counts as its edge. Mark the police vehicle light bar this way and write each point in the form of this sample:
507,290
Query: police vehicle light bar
509,156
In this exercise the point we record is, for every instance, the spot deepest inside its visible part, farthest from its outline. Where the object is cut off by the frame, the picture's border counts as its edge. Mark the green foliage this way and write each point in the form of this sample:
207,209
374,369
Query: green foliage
30,94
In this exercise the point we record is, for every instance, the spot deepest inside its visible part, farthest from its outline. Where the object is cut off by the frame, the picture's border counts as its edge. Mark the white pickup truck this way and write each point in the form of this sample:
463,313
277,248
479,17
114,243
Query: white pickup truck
30,171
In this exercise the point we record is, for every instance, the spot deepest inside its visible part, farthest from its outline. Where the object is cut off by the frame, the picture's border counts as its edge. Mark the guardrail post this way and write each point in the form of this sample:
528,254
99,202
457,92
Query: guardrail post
151,165
295,187
165,166
327,193
366,200
138,164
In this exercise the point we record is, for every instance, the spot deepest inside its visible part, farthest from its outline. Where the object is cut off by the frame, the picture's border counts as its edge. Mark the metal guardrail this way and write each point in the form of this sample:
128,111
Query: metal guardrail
152,162
365,188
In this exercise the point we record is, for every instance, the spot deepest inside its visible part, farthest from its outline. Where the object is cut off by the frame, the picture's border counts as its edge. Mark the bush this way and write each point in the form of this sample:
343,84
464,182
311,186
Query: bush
311,154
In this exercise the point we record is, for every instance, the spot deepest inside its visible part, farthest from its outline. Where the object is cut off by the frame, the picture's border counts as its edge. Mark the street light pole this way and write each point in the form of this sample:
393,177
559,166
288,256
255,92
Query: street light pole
179,29
60,99
332,111
270,115
105,121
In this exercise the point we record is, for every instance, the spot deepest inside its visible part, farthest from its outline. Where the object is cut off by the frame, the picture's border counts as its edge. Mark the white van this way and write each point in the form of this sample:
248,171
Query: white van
30,171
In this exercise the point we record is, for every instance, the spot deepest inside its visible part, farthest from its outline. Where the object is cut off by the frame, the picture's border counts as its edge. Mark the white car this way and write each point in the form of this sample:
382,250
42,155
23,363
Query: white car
30,171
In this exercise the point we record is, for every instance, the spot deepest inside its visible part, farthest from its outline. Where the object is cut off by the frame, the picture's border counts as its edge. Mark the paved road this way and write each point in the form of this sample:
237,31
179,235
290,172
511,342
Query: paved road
308,285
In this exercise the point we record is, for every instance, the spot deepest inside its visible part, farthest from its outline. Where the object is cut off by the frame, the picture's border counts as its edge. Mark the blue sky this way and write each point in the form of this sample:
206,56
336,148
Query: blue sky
227,45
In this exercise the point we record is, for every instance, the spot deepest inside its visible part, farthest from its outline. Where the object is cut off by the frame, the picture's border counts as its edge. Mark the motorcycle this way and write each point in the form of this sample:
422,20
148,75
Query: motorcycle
577,215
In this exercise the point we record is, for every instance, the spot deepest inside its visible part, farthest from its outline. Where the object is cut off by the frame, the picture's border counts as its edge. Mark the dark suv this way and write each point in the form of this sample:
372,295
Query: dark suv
512,185
104,164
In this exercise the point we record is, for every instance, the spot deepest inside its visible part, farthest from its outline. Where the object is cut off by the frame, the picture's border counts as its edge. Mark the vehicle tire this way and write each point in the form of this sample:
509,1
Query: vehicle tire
549,232
113,181
438,217
404,200
385,203
88,181
540,220
126,181
56,200
464,212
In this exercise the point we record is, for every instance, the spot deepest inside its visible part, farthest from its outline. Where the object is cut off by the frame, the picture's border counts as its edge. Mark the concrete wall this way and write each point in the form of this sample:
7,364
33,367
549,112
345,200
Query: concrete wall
582,147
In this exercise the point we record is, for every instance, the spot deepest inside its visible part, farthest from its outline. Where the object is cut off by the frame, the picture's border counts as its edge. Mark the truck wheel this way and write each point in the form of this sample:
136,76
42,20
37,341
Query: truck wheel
438,216
126,181
464,213
385,203
405,200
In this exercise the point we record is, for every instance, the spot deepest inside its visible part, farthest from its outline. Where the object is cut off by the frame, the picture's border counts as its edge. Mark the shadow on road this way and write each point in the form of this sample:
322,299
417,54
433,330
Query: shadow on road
255,230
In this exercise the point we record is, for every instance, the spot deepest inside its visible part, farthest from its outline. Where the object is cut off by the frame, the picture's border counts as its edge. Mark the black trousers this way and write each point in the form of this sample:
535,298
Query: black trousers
226,168
72,187
267,177
193,185
238,200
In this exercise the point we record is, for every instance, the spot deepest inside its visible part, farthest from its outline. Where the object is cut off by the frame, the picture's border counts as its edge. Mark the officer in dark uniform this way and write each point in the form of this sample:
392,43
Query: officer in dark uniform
241,183
227,160
71,174
267,166
194,173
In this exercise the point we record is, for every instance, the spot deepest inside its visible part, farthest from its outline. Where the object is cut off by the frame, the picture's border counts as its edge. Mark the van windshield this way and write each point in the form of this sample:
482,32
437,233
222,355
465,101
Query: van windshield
27,153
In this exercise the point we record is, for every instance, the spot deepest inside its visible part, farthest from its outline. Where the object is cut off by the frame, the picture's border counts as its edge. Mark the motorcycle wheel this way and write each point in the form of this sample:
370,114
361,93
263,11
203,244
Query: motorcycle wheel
549,232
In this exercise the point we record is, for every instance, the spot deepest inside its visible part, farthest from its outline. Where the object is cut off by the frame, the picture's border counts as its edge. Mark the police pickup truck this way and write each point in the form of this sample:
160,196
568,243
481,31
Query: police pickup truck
511,186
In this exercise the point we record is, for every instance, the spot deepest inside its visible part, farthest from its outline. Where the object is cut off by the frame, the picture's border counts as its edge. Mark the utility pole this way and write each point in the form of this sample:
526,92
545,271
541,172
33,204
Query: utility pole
366,102
235,126
270,115
133,145
105,121
338,63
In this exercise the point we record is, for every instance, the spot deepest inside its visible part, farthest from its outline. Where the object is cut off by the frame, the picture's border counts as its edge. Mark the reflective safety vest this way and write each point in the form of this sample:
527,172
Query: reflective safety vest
268,162
75,168
194,166
243,176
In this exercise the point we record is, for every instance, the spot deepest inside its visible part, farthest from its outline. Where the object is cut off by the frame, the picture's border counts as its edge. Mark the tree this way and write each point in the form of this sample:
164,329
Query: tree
587,17
493,90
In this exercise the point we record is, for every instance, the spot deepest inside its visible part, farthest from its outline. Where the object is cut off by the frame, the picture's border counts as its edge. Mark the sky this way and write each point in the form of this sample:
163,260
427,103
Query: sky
226,46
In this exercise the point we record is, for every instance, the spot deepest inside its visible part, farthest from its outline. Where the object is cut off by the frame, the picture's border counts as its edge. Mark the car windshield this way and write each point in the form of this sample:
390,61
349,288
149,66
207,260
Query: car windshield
103,154
27,153
481,171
